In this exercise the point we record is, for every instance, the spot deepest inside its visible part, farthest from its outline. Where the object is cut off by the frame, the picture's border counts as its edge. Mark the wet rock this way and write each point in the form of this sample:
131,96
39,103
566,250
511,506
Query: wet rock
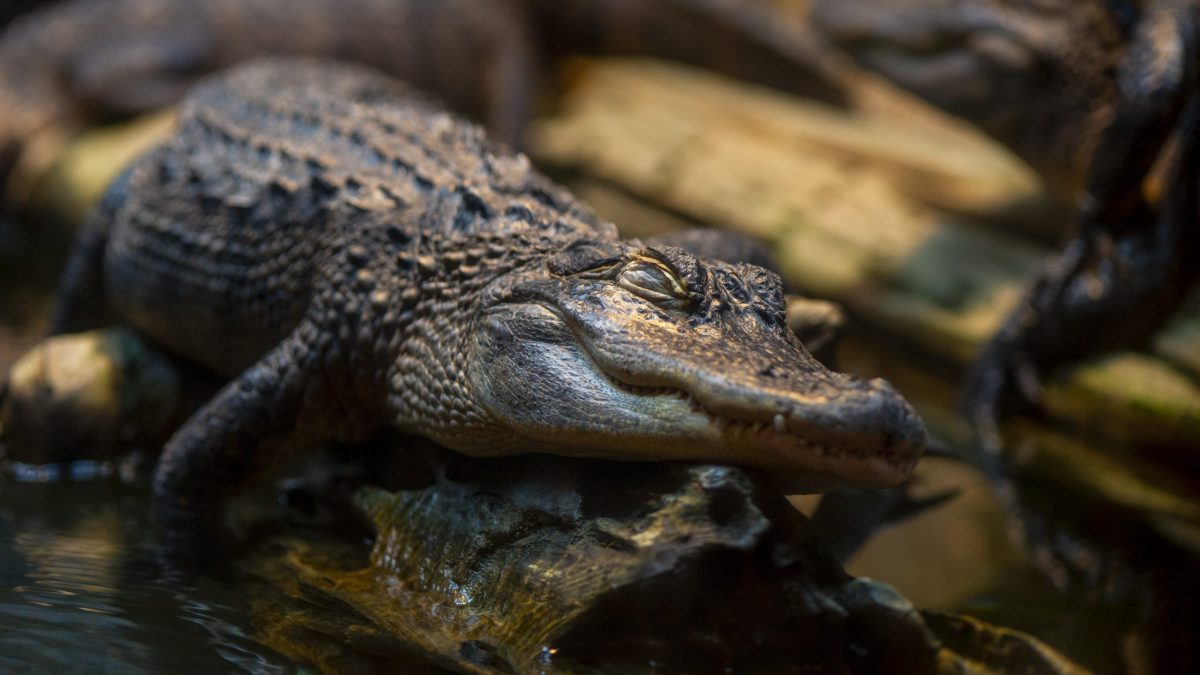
540,564
90,396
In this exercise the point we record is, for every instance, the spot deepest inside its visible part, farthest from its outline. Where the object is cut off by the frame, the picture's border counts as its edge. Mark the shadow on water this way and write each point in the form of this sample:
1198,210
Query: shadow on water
79,591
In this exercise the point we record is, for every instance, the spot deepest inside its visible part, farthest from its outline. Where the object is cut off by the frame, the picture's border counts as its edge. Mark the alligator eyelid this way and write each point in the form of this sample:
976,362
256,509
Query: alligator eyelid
647,293
678,287
656,258
600,271
671,294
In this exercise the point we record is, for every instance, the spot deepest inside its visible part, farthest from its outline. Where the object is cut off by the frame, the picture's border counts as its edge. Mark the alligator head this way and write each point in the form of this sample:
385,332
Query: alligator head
987,60
611,349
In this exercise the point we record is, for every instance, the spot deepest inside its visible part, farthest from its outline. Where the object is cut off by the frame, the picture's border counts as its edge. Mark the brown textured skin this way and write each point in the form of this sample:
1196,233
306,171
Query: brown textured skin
363,258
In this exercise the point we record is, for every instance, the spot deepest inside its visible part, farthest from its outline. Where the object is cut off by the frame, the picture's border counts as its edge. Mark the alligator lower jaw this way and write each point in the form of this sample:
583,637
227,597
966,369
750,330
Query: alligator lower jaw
853,464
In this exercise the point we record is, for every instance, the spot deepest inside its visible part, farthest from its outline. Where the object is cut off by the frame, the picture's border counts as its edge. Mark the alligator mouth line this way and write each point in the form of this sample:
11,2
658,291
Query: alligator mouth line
777,425
743,430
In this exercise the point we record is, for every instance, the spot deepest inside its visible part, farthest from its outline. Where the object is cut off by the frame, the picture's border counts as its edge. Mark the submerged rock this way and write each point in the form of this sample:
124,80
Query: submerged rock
88,396
542,564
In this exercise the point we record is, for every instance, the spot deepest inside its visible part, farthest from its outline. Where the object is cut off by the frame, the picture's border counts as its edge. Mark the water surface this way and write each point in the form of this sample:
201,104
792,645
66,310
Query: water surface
80,591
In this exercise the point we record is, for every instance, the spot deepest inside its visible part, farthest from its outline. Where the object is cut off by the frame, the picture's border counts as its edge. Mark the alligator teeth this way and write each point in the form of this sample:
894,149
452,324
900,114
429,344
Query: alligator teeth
725,425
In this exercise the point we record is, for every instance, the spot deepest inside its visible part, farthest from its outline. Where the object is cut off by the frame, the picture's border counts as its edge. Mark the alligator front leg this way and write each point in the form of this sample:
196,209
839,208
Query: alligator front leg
1133,261
265,417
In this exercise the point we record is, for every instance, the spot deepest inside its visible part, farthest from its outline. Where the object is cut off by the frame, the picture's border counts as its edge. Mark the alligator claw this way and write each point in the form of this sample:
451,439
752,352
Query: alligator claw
1006,378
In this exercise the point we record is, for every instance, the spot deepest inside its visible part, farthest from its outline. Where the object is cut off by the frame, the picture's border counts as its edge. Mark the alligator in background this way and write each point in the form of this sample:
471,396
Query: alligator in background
90,59
1040,77
1103,98
1037,76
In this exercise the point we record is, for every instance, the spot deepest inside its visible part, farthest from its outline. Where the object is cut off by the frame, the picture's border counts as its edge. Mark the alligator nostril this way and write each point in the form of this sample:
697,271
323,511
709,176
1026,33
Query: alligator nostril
775,371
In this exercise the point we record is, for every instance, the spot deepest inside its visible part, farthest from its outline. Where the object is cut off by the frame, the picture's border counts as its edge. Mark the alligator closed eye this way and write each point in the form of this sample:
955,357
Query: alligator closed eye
652,280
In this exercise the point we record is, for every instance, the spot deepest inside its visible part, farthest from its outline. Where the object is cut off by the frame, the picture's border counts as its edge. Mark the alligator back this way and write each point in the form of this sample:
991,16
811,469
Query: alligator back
219,240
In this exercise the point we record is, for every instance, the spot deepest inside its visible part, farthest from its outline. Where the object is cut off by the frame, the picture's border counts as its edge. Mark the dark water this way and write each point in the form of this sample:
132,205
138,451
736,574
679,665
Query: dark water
80,591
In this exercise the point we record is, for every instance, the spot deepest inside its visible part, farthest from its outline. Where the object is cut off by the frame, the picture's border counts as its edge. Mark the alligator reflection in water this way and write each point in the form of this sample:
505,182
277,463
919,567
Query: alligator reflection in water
79,591
577,559
548,564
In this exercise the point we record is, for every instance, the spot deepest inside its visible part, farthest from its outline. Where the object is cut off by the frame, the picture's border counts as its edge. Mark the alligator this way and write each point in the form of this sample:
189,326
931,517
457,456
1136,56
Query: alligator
355,257
1038,77
1137,251
983,60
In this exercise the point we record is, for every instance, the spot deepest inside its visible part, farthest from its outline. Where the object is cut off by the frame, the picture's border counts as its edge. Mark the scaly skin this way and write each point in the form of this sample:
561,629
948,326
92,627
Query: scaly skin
362,259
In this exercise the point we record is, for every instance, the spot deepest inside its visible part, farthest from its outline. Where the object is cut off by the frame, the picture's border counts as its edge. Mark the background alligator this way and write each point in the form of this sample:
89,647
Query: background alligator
100,58
1092,94
1040,77
363,258
982,60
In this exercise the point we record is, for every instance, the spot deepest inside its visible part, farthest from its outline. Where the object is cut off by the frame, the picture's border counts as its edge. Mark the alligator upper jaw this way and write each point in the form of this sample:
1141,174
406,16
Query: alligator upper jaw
867,438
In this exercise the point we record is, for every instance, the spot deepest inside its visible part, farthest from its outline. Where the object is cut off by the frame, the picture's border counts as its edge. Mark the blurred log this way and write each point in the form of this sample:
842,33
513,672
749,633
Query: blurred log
79,174
90,396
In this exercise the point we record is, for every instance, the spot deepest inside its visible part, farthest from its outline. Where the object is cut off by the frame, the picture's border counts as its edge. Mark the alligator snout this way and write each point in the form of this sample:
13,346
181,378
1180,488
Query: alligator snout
872,419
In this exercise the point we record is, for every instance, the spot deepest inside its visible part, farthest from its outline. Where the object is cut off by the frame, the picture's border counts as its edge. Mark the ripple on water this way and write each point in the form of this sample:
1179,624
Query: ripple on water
79,591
